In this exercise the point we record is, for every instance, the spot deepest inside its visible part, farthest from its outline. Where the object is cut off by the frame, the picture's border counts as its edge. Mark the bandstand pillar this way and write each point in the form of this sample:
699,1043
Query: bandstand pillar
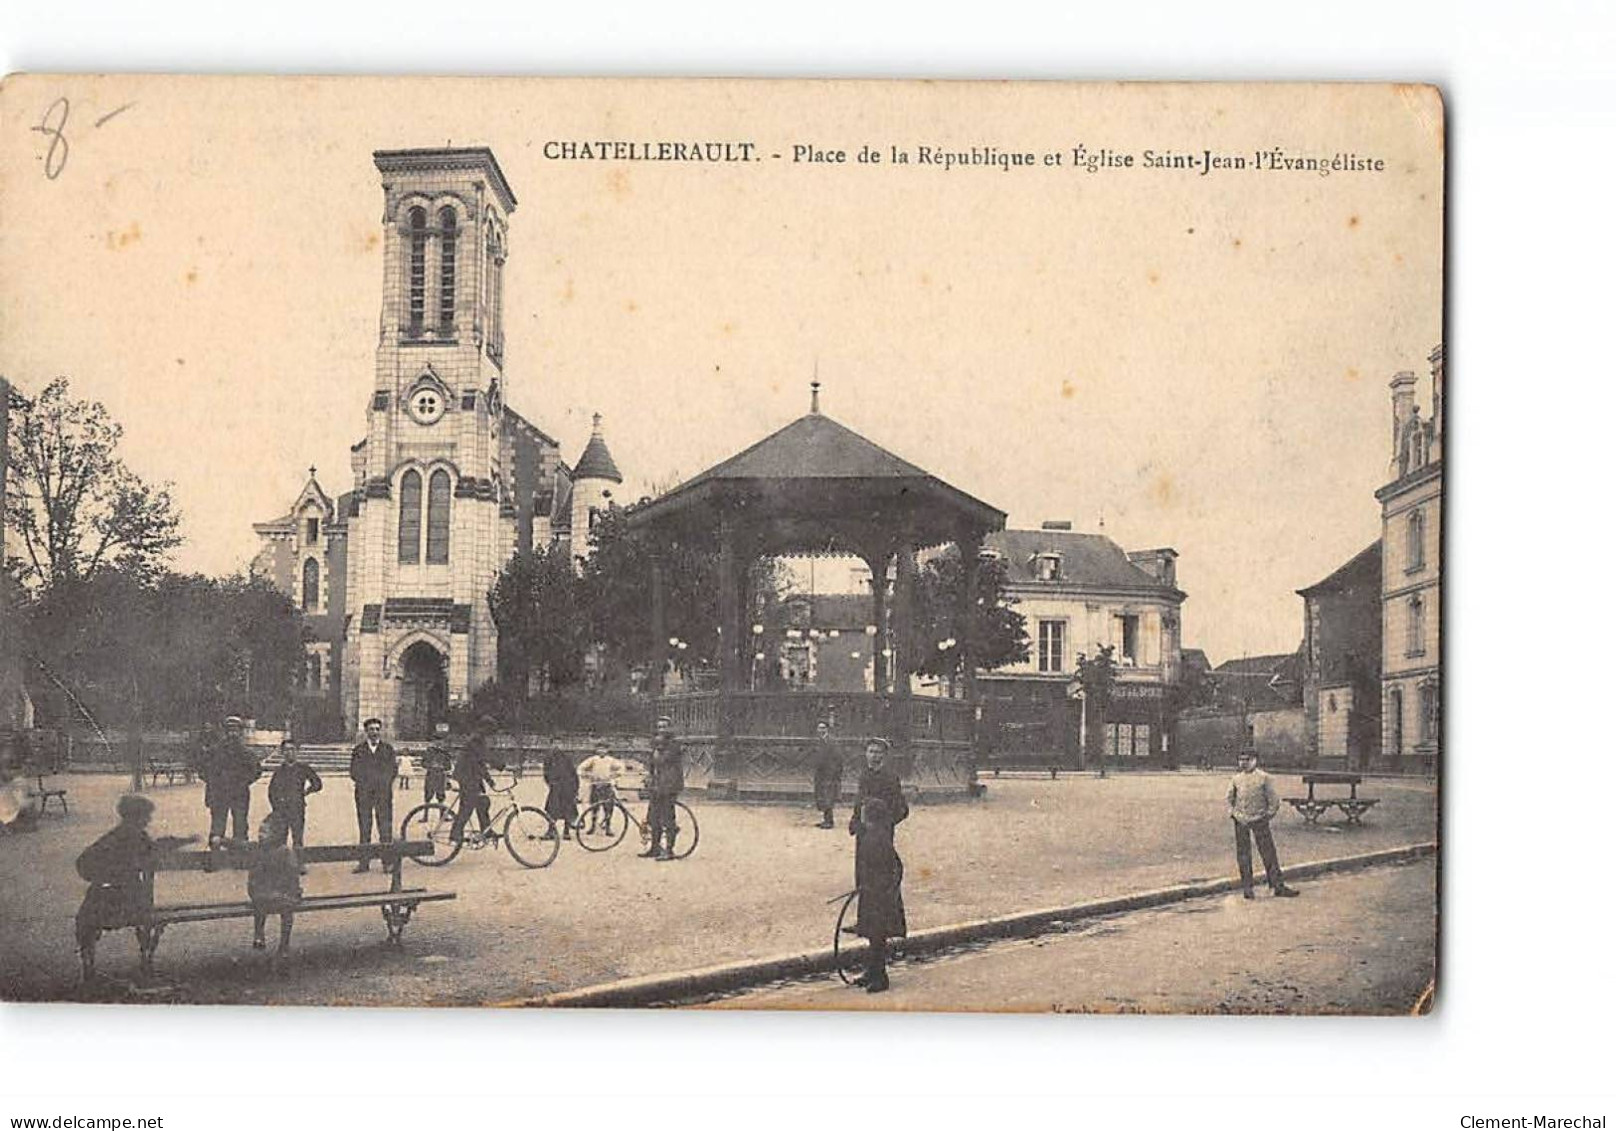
726,759
970,548
878,611
905,650
659,627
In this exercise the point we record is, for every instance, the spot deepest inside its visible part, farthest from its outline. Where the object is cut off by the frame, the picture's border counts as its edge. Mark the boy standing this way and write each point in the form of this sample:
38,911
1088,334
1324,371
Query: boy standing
289,789
601,771
1253,803
435,762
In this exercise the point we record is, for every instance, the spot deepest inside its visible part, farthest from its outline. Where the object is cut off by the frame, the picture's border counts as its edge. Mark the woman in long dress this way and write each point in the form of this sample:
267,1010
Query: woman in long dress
562,803
877,867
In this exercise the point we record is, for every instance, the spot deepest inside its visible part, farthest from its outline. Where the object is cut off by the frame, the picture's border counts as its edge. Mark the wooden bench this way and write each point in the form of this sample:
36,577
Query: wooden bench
170,769
1051,764
47,795
1312,807
397,903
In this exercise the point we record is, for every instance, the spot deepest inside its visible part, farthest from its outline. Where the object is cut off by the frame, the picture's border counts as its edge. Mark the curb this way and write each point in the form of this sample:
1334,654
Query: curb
665,989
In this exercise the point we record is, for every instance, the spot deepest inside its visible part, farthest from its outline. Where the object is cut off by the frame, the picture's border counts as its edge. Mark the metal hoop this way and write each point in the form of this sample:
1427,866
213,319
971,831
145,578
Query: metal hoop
836,938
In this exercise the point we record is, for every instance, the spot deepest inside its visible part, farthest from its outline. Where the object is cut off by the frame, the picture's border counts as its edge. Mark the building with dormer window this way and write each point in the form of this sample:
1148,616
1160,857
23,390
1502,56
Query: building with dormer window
448,482
1079,593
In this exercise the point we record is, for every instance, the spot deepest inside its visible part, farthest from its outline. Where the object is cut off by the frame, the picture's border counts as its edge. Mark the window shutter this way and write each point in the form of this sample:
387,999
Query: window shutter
1150,644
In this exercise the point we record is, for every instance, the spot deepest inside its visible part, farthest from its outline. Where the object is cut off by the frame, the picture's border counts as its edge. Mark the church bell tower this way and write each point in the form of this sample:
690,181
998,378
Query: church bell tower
432,518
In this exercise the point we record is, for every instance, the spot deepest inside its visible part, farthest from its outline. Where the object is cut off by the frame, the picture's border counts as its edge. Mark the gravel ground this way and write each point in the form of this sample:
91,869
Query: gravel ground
1358,942
756,886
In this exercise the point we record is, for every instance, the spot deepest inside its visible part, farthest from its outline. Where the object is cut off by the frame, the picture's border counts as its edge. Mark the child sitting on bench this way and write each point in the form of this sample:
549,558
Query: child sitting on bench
273,885
118,869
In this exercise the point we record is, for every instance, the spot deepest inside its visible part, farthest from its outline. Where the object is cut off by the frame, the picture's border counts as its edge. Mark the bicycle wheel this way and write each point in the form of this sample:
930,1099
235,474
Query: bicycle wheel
530,835
432,822
689,831
602,826
837,954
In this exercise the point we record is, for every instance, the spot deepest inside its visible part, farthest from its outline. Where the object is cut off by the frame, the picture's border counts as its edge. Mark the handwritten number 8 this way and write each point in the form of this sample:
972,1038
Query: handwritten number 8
56,155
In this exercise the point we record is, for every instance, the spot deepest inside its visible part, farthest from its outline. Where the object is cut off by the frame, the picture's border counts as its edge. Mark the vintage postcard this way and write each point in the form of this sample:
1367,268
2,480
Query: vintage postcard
740,544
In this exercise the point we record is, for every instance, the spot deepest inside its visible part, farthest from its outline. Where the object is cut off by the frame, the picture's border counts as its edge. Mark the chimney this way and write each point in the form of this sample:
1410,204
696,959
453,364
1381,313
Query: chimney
1057,524
1160,564
1437,359
1402,387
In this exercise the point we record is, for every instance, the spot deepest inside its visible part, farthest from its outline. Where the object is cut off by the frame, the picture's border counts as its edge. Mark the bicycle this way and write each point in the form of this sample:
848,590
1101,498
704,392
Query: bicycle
598,827
528,831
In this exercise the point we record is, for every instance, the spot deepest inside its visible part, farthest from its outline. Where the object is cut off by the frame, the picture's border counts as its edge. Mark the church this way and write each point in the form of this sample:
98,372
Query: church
448,482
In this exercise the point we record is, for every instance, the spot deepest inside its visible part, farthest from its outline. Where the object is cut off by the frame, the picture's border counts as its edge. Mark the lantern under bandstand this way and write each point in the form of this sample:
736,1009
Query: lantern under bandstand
816,487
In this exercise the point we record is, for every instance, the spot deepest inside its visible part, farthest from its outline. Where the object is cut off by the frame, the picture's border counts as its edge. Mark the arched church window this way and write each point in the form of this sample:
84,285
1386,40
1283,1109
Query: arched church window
409,518
496,294
311,585
417,272
437,519
446,273
1416,541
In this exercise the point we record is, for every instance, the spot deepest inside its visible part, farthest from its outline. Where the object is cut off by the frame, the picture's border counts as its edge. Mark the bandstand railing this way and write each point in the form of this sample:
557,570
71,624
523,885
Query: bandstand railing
768,746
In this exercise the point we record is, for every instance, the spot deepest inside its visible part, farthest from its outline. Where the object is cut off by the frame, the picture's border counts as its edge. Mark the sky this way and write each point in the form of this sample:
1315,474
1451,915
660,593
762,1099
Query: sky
1194,361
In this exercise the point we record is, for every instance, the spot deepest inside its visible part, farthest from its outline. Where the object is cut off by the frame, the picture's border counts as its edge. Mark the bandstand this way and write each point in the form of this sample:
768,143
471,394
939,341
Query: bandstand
816,487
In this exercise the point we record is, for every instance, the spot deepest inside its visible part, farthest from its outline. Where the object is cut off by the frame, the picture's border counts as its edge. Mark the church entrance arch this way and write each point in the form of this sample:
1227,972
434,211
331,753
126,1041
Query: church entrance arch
423,694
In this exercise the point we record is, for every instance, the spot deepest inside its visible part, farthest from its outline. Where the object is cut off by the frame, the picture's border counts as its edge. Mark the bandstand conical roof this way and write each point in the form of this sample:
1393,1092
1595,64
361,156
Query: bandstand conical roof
818,470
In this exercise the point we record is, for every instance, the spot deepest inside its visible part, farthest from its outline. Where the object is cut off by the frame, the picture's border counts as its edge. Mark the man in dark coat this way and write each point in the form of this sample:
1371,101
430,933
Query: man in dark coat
229,772
373,767
562,778
827,766
877,868
666,777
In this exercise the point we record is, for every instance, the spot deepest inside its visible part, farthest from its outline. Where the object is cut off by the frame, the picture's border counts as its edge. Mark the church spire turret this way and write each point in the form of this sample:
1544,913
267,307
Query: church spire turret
597,462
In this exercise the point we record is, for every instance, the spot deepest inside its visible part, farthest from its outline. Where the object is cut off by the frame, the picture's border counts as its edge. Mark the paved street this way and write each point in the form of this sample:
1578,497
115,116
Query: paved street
756,887
1358,942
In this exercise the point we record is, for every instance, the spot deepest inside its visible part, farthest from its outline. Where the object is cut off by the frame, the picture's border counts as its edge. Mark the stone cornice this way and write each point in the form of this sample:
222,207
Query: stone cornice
1411,480
478,159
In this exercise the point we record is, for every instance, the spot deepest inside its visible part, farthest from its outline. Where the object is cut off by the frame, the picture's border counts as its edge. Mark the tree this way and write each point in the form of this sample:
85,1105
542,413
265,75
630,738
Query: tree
617,592
996,632
167,652
538,604
75,507
1097,675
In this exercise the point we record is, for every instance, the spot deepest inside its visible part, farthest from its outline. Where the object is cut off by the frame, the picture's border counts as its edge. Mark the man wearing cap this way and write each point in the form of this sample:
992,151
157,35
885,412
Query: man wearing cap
229,771
373,767
827,764
663,782
1253,803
